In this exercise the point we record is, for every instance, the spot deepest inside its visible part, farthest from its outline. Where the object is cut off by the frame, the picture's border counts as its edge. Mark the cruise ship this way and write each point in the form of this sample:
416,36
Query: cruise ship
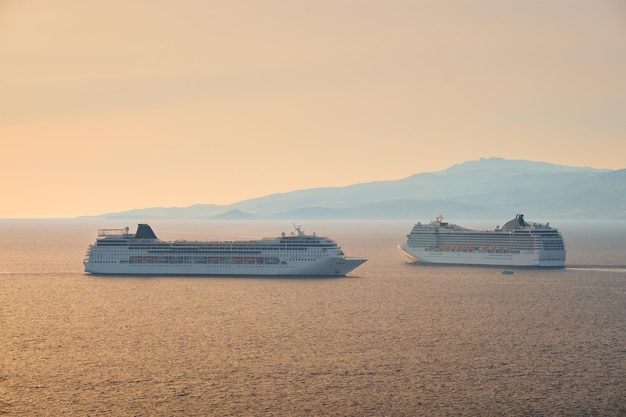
517,243
118,252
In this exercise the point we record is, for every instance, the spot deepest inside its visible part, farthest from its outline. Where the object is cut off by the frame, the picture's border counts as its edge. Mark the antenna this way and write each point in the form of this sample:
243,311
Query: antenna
298,229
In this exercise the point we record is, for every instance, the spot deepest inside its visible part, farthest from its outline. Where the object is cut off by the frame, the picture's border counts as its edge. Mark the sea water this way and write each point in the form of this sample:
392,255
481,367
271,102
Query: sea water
390,339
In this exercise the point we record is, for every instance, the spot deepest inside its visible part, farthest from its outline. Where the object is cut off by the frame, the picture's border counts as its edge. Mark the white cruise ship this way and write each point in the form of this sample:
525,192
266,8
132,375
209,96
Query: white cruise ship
118,252
517,243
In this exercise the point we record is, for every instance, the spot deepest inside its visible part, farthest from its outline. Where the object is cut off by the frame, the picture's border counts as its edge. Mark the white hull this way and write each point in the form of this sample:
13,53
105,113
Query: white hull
323,267
526,259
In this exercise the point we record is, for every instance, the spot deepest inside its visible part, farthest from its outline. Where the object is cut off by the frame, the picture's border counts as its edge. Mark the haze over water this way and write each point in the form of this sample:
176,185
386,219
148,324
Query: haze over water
391,339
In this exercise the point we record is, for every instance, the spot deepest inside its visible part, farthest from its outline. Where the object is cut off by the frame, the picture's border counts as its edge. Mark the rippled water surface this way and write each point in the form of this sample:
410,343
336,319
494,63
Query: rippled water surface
391,339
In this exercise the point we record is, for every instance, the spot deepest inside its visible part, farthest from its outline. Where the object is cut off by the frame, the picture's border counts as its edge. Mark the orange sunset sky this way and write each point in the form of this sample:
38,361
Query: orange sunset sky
113,105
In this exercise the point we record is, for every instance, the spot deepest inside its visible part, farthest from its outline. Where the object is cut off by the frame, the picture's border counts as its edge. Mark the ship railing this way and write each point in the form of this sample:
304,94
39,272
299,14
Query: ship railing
540,225
112,233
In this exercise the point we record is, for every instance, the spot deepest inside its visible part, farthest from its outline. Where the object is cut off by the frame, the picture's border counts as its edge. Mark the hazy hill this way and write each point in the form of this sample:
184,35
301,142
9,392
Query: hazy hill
482,189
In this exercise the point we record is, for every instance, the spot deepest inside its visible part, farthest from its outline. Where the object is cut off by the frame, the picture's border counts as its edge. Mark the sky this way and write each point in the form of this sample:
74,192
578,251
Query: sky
113,105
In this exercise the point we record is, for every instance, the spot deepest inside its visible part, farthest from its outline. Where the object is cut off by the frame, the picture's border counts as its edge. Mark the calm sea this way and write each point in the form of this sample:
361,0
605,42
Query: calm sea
391,339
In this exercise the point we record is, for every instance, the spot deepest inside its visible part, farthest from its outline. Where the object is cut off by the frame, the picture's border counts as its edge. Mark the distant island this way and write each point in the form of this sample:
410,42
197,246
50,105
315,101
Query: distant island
490,188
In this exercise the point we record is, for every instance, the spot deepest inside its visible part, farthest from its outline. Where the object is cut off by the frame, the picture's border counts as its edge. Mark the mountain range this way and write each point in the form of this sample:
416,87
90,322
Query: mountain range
492,188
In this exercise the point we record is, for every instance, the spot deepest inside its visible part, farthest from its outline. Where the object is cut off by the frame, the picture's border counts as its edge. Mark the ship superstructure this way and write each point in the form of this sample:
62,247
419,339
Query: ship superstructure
119,252
517,243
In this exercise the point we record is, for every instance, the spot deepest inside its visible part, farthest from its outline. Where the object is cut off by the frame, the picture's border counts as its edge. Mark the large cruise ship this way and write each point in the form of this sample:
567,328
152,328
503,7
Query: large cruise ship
118,252
517,243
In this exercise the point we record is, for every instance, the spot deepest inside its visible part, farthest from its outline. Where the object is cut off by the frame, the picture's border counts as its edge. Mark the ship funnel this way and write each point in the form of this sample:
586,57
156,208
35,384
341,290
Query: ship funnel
144,231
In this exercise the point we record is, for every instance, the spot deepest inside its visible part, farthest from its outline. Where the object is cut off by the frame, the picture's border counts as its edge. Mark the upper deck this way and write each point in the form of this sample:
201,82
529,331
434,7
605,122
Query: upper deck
145,236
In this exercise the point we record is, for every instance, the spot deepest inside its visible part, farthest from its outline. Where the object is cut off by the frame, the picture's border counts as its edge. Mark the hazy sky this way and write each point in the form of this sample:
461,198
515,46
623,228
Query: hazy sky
114,105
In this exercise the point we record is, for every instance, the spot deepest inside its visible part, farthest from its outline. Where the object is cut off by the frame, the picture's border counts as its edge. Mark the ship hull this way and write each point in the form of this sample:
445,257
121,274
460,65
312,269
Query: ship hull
320,267
523,259
325,267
